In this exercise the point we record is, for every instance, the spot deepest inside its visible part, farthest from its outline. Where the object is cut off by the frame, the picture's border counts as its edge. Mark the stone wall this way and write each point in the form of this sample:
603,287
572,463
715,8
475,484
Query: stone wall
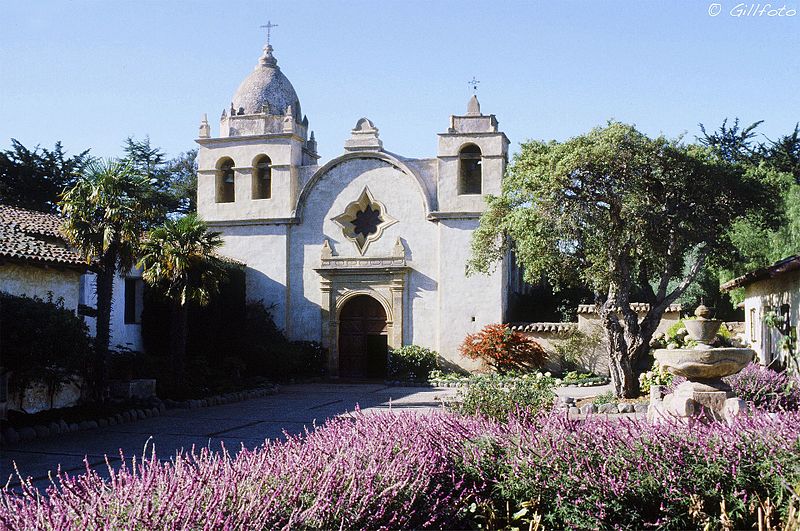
593,359
41,281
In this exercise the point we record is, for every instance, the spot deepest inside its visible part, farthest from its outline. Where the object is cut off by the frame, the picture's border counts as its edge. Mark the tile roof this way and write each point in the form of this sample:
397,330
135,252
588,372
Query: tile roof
635,306
779,268
554,328
30,236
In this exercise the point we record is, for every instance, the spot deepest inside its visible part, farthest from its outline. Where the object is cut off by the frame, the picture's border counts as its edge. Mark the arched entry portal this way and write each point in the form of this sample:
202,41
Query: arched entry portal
363,347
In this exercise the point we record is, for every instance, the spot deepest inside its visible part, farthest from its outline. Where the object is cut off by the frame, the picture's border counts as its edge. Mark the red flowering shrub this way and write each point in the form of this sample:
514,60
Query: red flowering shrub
503,349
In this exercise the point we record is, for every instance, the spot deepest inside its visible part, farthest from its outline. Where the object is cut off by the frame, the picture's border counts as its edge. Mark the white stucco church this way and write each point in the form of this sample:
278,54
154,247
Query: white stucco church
362,252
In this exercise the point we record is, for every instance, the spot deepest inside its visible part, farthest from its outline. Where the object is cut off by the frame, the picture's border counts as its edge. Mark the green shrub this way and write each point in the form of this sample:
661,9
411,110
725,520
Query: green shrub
42,342
497,397
575,348
605,398
412,362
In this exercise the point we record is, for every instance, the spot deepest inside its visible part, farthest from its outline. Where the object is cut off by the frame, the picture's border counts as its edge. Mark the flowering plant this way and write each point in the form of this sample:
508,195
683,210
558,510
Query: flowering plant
503,349
657,375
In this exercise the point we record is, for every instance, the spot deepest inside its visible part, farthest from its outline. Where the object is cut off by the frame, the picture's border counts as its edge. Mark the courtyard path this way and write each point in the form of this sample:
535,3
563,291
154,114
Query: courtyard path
246,423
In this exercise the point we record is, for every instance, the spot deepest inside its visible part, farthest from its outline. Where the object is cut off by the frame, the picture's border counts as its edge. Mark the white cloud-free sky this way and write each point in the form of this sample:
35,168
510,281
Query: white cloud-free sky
90,73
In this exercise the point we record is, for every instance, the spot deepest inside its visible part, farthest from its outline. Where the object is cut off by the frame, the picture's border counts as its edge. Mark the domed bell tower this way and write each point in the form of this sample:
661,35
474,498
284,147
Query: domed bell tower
250,171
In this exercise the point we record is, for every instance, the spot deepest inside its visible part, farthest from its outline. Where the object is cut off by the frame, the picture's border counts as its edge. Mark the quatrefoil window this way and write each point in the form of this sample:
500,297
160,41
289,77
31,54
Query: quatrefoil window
364,220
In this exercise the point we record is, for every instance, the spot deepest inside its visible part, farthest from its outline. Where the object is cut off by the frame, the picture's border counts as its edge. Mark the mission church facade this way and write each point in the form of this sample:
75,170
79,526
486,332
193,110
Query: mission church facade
363,252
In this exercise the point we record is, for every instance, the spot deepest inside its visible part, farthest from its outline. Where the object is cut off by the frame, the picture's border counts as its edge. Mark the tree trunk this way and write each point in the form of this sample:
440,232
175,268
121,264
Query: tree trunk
626,349
180,317
105,293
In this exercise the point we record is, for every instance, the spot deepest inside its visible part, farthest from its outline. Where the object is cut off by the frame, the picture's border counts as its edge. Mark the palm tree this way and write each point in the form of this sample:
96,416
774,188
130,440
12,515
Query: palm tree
179,259
105,222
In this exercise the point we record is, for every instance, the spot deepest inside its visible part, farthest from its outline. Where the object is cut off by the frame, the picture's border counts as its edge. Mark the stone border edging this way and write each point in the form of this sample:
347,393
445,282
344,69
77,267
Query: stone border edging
610,408
464,382
11,435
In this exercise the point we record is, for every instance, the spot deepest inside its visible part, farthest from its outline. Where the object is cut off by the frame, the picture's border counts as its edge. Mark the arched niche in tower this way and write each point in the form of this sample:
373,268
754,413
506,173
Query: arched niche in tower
469,170
262,177
225,181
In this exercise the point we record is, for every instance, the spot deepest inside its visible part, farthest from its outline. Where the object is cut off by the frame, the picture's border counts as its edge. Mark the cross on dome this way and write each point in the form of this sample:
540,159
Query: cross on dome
269,25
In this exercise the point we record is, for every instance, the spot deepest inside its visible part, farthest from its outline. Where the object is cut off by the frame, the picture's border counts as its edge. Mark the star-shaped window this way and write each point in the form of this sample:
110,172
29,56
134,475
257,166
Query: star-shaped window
364,220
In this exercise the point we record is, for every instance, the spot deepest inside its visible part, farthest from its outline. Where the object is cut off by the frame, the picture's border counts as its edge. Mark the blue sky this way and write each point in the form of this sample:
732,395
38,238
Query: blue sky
90,73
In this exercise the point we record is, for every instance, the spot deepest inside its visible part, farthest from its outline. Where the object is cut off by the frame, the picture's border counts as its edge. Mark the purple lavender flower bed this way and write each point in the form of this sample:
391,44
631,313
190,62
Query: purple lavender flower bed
393,471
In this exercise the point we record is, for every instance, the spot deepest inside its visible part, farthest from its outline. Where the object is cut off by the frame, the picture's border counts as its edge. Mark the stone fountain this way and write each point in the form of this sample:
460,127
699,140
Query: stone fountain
704,394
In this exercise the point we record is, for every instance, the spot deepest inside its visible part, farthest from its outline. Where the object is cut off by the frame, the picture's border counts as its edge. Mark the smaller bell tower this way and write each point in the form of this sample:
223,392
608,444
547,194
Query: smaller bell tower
472,157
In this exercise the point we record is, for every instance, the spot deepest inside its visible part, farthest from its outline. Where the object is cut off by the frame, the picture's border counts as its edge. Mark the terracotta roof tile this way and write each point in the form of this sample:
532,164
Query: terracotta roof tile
30,236
635,306
544,327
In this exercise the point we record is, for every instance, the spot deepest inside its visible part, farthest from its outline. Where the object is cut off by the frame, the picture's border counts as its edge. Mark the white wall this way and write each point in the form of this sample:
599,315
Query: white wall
403,198
762,297
462,298
41,282
122,334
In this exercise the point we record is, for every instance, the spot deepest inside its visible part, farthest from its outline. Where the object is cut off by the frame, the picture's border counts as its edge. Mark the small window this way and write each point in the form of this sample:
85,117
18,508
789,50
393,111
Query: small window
262,178
134,298
469,160
225,182
753,318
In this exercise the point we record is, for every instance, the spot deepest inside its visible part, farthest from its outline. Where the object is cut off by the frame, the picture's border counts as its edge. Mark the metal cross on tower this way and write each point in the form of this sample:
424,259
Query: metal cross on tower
473,83
269,25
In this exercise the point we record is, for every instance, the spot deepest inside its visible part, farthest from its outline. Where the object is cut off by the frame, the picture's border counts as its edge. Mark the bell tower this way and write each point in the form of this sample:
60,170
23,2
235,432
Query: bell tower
250,172
472,157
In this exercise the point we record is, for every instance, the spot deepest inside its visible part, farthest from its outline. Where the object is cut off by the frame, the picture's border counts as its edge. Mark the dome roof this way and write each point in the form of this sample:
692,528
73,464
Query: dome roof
266,85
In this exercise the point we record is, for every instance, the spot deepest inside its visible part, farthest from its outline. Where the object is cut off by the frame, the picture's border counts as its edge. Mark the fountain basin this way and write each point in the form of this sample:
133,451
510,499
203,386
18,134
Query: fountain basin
704,364
702,330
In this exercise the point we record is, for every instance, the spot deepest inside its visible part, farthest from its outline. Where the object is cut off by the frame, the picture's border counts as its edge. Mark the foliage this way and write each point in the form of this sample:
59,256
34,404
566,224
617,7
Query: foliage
104,220
503,349
412,362
766,389
677,336
445,471
606,398
498,398
34,179
367,472
42,342
179,258
606,474
173,189
755,244
268,351
577,347
620,212
657,375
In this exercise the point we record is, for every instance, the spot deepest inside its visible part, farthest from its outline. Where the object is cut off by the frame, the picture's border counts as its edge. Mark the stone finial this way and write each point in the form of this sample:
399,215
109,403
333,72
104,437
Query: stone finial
233,110
224,114
364,137
703,312
288,120
326,251
267,59
205,129
311,143
305,121
399,249
473,106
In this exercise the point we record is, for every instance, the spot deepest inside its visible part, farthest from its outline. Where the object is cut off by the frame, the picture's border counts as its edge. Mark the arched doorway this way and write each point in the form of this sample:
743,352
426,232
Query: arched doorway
363,349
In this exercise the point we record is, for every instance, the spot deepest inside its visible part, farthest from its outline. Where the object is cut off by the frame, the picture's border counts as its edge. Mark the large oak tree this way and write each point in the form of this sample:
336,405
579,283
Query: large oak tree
622,213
